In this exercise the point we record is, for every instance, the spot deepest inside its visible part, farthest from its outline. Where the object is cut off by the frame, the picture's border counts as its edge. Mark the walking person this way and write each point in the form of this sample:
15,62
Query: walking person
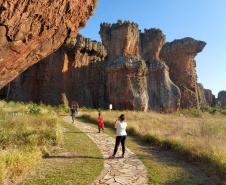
100,122
73,113
76,109
120,126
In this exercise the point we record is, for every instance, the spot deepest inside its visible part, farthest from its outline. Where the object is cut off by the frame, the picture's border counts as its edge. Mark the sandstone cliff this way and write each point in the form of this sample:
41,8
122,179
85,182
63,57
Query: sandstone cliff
201,95
164,95
31,30
72,73
84,71
120,39
179,56
151,43
126,83
208,95
222,98
127,75
78,71
125,39
132,84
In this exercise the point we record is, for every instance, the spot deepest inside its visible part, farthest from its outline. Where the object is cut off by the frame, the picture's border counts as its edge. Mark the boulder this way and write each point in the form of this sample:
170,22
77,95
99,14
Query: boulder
164,95
31,30
179,56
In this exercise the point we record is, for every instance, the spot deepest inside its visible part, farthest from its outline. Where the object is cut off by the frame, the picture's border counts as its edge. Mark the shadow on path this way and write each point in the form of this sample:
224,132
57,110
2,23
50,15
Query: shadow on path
69,157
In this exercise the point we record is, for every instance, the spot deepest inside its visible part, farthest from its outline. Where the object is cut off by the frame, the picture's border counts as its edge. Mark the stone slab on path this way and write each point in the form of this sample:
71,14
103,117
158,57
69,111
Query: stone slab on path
128,170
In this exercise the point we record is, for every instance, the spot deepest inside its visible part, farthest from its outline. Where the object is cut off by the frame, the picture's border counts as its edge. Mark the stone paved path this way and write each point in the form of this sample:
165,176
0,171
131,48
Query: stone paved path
128,170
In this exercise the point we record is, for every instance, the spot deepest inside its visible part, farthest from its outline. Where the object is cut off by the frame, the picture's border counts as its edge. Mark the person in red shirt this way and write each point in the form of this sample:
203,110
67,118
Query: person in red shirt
100,123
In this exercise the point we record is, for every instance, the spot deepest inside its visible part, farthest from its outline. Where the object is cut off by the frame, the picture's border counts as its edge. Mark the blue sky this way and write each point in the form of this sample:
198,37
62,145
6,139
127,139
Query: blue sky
200,19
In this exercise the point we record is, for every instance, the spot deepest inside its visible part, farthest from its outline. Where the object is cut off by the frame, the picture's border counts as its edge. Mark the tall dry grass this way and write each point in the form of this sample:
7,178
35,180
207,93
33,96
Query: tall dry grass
26,131
193,134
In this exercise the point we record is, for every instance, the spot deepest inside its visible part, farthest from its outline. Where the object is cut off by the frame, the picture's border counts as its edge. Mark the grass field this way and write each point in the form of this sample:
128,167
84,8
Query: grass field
26,131
195,137
29,133
77,161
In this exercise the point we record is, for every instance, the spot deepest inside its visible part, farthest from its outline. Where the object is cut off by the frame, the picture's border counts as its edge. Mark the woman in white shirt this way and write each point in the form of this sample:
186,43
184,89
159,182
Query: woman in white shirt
120,125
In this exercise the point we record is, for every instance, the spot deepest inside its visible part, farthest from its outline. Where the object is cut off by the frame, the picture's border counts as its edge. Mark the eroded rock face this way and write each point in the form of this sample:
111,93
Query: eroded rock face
126,83
120,39
208,95
79,71
31,30
179,56
125,39
222,98
164,95
75,72
201,95
151,43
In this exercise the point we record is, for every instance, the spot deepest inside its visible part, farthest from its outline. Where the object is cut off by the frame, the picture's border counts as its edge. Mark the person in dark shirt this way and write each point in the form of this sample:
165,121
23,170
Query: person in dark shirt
73,110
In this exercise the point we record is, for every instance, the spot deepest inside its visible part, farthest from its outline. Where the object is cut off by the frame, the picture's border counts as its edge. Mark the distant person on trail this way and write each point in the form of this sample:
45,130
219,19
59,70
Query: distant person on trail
76,109
120,125
73,113
100,122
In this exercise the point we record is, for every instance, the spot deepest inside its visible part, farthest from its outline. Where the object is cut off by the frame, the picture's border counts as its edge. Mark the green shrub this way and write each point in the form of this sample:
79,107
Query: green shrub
41,104
50,109
193,112
131,130
215,128
151,139
217,104
34,109
62,108
223,112
89,109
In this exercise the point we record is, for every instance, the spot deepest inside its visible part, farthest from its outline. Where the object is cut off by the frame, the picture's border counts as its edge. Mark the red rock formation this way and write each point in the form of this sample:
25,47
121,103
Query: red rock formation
164,95
120,39
78,71
179,56
222,98
208,95
151,43
126,83
124,39
201,95
31,30
72,73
